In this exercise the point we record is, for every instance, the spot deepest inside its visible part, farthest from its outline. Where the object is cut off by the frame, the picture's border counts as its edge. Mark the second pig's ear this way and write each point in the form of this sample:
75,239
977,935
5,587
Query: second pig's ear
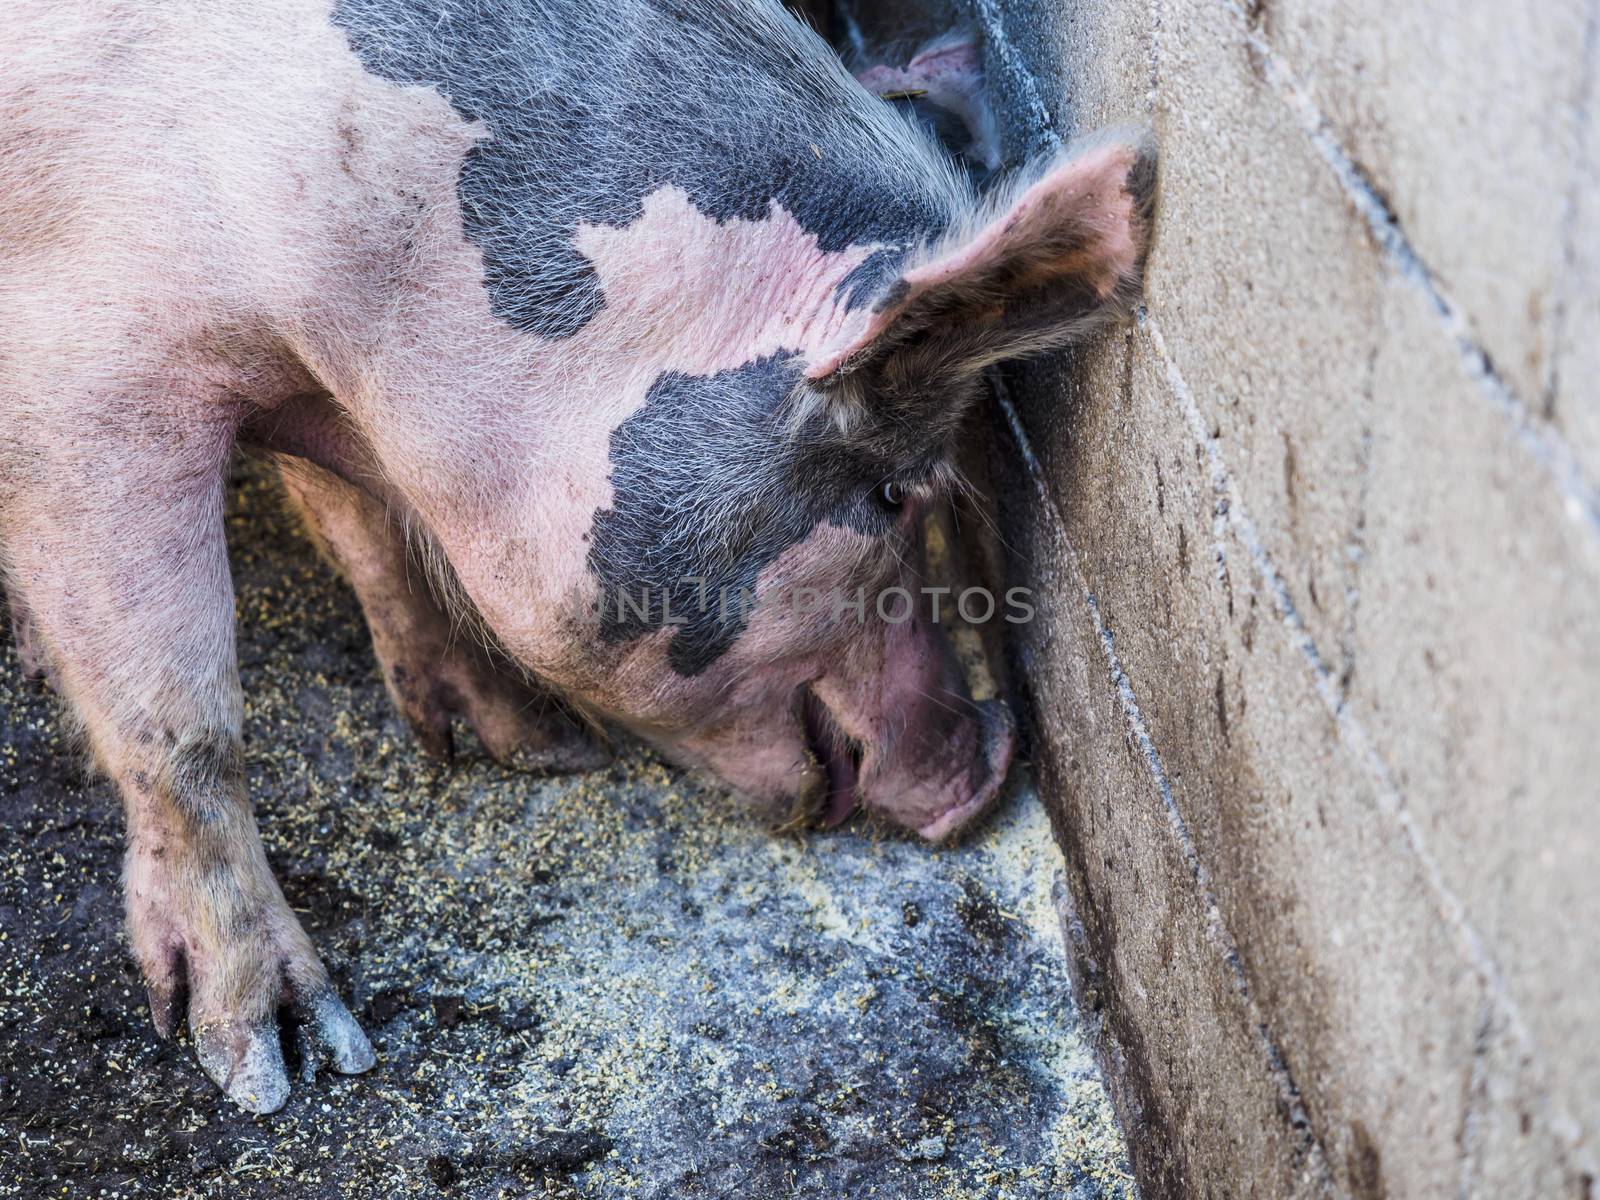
1041,265
943,88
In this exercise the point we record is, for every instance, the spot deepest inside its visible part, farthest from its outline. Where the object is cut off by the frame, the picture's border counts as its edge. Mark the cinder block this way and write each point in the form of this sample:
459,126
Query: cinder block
1478,675
1573,402
1402,888
1505,1150
1464,118
1200,1099
1267,287
1356,980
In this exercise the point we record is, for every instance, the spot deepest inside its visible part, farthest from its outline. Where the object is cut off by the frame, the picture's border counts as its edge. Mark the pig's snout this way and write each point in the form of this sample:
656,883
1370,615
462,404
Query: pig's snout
997,739
908,741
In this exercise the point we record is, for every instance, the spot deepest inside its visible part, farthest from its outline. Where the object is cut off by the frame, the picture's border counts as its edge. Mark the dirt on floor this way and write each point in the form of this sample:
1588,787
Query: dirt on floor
613,985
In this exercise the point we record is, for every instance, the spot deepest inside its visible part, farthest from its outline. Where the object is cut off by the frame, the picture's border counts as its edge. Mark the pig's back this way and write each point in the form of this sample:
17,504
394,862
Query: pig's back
588,107
129,127
292,163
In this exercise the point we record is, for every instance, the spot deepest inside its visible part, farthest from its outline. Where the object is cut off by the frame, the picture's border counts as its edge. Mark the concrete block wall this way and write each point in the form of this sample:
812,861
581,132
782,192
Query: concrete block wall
1316,678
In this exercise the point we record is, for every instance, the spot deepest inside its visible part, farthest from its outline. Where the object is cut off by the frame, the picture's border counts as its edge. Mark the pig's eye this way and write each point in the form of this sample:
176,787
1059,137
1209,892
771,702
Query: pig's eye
892,495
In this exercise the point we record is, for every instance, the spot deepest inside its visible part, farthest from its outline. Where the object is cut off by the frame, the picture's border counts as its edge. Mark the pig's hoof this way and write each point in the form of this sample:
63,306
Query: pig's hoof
245,1062
235,987
245,1058
332,1036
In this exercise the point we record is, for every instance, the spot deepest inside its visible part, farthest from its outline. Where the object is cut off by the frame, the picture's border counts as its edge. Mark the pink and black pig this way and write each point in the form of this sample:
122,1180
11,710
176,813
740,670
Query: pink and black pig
626,323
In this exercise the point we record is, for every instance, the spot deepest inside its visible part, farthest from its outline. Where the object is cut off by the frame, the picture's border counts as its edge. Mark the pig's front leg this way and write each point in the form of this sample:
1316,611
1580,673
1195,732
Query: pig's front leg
434,668
117,557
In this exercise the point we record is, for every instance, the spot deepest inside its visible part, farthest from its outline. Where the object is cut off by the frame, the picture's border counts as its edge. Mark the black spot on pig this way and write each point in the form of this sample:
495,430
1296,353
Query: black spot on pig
950,130
876,275
710,485
713,479
588,108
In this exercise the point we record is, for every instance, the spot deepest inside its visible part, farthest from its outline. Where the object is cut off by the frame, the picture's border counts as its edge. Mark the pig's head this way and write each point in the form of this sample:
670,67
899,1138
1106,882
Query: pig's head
753,588
712,317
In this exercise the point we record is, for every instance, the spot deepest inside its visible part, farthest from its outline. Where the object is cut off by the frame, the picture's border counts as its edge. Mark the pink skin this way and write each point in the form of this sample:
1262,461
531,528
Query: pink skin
934,758
946,70
741,721
1089,190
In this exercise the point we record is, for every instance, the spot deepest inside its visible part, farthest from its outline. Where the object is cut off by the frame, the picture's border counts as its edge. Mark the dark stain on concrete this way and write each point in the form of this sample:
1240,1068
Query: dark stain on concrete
1220,696
1291,476
1364,1165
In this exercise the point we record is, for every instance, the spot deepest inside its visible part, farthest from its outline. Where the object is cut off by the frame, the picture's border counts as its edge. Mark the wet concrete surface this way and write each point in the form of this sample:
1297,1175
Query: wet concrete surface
617,984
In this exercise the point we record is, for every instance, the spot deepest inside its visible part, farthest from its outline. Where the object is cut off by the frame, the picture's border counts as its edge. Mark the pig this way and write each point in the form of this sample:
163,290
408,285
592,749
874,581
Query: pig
581,312
943,85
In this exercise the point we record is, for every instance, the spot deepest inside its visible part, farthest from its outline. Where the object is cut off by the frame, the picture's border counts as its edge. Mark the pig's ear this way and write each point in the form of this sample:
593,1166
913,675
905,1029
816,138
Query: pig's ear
1041,265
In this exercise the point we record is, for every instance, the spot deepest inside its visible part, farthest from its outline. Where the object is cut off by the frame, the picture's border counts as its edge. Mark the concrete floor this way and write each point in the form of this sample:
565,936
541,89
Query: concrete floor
611,985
